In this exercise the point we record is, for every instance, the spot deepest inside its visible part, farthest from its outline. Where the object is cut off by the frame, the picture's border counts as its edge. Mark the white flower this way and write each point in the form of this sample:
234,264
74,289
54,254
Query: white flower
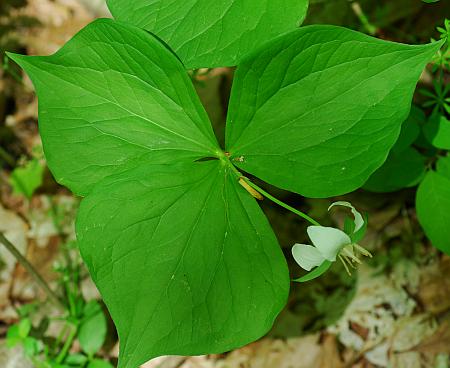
330,243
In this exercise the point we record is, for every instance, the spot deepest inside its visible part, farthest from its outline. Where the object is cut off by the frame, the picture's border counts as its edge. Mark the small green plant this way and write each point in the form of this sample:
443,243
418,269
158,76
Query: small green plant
169,227
439,99
25,180
421,156
78,320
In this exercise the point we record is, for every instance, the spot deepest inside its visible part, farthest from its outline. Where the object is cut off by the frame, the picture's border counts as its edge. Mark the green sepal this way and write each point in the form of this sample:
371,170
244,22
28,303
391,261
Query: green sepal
317,272
359,235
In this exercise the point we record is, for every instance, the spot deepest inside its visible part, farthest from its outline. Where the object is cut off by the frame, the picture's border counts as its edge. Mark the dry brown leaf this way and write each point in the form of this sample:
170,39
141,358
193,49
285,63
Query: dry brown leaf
196,362
434,289
437,343
42,258
164,362
60,20
406,360
330,357
302,352
410,331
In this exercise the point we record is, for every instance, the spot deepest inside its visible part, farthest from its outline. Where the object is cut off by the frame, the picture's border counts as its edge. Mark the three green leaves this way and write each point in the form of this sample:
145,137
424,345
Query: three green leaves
183,256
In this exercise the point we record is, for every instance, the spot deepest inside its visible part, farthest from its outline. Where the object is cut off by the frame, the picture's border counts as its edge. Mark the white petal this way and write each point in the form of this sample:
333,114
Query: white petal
307,256
359,221
328,240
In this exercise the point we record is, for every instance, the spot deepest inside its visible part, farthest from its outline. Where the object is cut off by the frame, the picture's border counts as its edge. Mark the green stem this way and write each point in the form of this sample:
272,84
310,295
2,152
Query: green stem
72,306
67,345
267,195
59,338
31,270
280,203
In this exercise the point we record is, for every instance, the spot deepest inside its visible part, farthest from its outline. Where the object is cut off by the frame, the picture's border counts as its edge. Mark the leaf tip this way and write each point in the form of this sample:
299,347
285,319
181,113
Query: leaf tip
17,58
22,60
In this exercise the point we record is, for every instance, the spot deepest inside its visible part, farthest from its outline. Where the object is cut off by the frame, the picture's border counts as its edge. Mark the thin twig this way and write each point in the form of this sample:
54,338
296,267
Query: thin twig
5,66
370,28
31,270
5,156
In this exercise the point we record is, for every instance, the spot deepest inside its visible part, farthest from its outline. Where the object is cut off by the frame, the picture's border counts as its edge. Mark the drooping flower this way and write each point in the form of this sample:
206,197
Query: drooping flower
329,244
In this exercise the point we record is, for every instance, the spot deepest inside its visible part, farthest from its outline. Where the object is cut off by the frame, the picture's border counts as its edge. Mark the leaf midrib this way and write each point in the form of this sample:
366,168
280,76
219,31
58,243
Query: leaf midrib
209,150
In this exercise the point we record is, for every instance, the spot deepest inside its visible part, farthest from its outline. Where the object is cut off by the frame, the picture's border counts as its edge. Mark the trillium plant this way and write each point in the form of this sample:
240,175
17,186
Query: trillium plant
169,225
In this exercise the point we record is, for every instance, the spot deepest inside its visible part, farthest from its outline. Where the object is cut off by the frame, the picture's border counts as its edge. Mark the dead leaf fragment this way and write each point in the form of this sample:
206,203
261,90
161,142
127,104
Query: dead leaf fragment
437,343
434,289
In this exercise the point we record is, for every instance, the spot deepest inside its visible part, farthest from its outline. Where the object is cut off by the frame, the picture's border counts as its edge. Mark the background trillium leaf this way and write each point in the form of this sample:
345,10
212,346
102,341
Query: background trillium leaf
114,95
323,105
405,167
433,203
207,33
184,258
401,170
437,131
410,129
443,166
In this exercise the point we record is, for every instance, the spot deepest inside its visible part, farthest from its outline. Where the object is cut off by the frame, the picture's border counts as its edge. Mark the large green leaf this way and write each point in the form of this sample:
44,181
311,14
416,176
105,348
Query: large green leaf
317,111
113,95
184,258
433,204
207,33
